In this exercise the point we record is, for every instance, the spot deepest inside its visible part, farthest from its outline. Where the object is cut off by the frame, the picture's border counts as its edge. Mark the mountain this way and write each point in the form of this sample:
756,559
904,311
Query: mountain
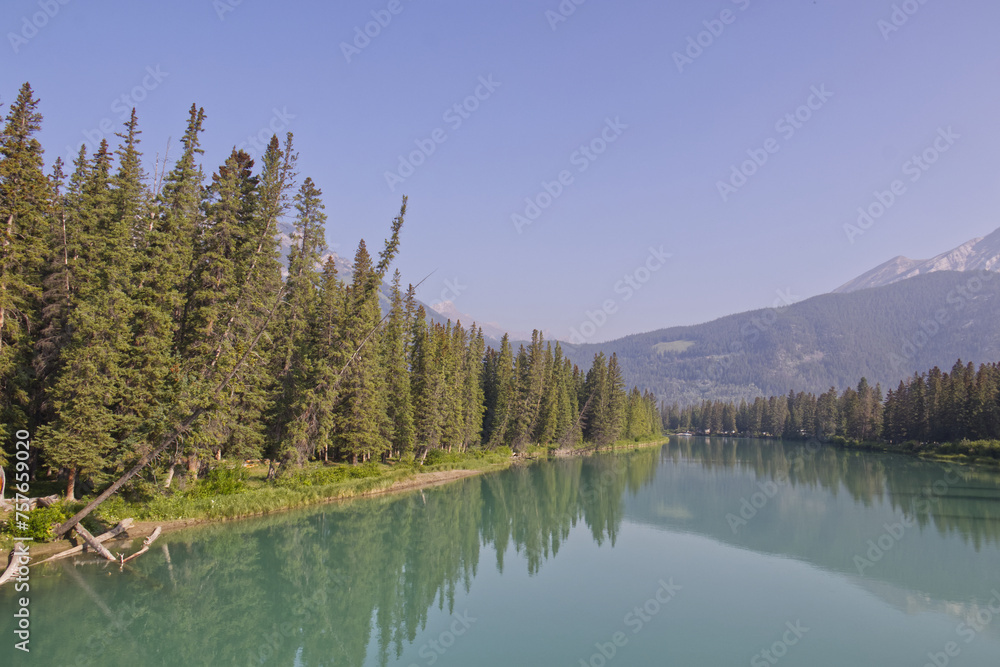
884,334
982,254
492,331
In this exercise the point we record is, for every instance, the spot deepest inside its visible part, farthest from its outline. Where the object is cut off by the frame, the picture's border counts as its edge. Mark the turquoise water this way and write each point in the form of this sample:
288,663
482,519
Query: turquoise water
702,552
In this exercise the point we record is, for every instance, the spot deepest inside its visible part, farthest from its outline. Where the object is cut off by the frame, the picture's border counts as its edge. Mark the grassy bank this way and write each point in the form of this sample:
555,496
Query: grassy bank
966,451
617,446
983,452
231,491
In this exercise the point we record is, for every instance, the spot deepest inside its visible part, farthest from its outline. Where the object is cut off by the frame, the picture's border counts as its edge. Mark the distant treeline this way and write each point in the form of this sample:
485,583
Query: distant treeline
128,303
929,408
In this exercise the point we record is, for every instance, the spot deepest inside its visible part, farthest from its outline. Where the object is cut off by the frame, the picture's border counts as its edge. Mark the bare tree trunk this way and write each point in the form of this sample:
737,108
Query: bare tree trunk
170,475
71,485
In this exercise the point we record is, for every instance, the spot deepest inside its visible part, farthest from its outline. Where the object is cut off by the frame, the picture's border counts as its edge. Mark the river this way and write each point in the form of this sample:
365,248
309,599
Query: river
705,551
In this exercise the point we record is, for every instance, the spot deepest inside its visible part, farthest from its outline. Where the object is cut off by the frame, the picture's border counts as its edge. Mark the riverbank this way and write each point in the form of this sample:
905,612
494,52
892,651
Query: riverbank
982,452
249,494
144,527
620,446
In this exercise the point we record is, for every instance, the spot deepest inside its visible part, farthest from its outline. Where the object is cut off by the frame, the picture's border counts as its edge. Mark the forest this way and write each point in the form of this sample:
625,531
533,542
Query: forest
950,412
134,307
885,334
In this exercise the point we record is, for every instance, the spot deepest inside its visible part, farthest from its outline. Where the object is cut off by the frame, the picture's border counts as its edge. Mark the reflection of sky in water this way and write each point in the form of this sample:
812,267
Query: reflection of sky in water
551,560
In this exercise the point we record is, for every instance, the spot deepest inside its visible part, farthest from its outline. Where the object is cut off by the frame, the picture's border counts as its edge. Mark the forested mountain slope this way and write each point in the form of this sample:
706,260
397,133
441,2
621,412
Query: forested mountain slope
884,334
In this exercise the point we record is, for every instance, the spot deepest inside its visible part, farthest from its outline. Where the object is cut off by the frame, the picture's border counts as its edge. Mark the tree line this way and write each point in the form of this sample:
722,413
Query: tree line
128,303
935,407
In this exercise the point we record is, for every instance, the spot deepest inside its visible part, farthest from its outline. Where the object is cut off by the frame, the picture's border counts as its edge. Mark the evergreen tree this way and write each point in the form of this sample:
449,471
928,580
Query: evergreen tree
362,409
399,407
25,194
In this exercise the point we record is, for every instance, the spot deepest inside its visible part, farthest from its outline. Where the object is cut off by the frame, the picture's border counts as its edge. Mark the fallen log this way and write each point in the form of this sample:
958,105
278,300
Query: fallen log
10,504
145,545
103,537
171,438
11,567
92,542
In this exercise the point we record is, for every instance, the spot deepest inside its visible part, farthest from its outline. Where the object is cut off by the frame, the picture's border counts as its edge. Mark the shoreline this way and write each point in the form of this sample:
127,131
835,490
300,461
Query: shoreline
423,480
142,529
926,454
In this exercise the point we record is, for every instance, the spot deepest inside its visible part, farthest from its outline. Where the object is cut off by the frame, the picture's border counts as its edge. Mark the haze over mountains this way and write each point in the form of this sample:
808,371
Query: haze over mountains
900,318
981,254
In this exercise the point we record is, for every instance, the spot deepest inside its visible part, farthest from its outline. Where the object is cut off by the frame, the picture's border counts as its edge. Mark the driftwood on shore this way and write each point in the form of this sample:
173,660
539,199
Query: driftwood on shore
11,567
92,542
145,546
9,504
103,537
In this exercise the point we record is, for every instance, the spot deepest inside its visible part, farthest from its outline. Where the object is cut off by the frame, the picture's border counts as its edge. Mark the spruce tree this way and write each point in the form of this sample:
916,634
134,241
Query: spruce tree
362,409
25,194
399,407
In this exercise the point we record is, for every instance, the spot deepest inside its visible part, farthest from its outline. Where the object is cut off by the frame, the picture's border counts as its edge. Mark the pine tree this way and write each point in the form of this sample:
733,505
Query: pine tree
499,394
25,194
89,395
473,398
399,409
169,256
362,410
217,306
426,384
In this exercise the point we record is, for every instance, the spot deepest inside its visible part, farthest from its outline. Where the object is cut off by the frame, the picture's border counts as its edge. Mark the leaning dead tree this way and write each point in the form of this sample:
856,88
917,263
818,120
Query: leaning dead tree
385,259
171,437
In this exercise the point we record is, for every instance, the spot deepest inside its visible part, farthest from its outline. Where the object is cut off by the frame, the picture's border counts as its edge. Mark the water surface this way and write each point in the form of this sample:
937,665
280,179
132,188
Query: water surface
702,552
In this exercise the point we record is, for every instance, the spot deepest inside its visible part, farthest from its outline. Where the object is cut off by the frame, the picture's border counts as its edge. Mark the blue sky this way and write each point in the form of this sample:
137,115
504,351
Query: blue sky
661,133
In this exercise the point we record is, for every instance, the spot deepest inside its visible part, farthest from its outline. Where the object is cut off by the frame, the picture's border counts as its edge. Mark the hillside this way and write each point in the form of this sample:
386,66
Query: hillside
884,334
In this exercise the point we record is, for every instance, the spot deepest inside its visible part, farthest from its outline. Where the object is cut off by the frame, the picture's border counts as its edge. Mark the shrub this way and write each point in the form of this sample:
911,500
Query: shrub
40,523
221,481
439,456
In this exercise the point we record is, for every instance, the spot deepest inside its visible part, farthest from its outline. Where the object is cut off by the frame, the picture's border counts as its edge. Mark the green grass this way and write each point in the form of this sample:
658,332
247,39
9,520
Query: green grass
231,491
964,451
625,445
673,346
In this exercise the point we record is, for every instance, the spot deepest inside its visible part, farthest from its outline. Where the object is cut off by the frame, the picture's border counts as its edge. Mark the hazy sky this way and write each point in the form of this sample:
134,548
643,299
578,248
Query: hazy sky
618,120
